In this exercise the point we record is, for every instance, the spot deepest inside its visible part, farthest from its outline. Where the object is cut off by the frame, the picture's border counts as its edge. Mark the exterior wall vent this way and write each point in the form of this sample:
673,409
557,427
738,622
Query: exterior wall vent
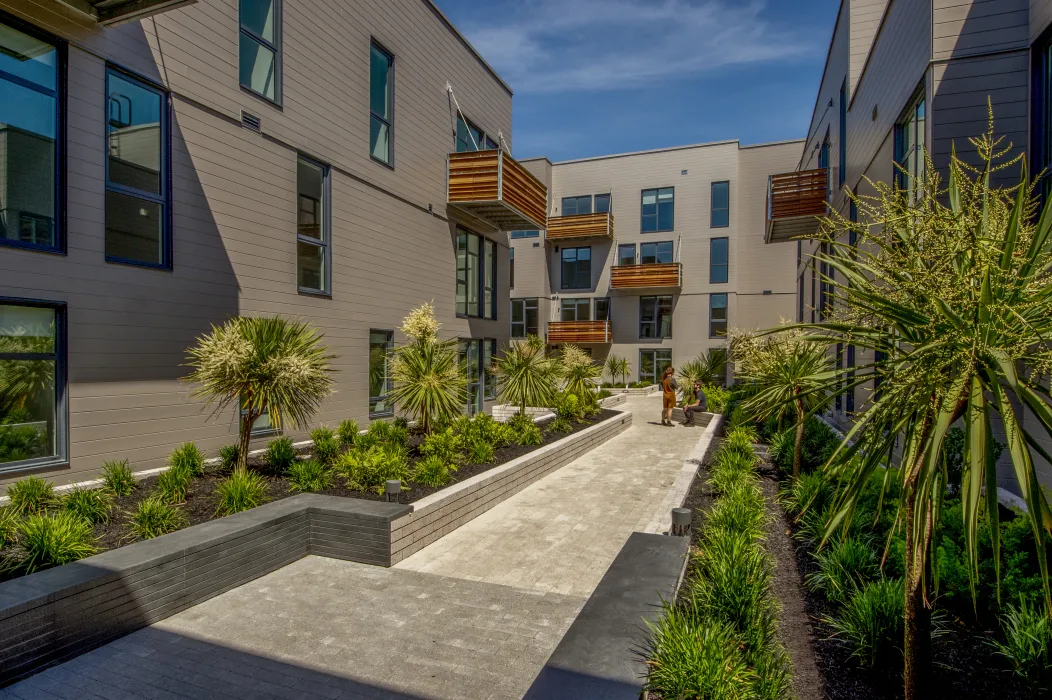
251,121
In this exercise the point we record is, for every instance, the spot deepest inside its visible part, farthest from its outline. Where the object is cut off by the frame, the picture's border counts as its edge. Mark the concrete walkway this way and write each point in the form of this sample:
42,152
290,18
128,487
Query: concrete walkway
474,615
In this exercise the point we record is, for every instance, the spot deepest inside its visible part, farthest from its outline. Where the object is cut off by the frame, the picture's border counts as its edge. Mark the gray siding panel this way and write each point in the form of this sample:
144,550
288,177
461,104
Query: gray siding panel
963,28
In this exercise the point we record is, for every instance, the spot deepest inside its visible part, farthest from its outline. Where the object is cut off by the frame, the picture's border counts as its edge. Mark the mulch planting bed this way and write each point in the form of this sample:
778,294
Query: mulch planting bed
201,502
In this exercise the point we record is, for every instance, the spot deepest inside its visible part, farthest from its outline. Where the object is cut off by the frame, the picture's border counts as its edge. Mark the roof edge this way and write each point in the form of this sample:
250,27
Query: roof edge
665,149
467,44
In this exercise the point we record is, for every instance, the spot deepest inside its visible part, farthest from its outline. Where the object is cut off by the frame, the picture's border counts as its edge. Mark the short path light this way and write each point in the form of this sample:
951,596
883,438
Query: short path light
394,487
681,522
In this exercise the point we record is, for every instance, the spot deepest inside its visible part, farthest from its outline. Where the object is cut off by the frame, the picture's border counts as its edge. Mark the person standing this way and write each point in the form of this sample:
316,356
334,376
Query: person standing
701,404
668,395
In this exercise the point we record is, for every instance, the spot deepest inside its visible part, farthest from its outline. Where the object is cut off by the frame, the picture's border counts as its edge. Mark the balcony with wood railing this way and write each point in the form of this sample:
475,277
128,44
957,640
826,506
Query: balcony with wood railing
646,275
580,226
578,332
492,186
795,202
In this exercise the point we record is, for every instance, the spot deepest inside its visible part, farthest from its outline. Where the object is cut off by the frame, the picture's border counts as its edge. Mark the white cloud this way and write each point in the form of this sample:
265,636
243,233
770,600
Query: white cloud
577,45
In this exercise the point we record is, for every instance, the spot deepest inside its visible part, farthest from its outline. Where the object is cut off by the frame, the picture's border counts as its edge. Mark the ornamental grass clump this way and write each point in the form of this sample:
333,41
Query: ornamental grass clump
154,517
31,495
347,432
227,457
280,454
173,484
1027,646
432,471
9,521
326,449
91,505
53,539
844,567
870,624
242,490
308,476
117,478
189,458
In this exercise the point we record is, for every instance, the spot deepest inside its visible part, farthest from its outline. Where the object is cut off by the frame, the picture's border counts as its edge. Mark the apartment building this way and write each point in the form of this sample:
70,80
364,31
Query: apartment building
652,256
165,166
903,77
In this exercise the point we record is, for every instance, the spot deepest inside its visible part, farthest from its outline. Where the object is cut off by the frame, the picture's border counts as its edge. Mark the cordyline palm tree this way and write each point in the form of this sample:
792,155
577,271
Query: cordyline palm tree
578,370
266,365
708,368
955,292
783,370
617,366
429,382
525,375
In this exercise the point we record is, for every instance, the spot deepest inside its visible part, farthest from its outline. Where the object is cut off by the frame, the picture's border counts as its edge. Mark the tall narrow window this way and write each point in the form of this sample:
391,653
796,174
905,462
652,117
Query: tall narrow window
260,53
659,252
312,226
476,275
489,285
602,309
576,268
489,353
719,260
137,147
574,310
511,268
652,364
471,363
910,144
626,254
381,343
842,136
602,203
800,301
717,315
824,164
33,385
658,211
381,104
577,205
720,211
655,317
30,139
523,317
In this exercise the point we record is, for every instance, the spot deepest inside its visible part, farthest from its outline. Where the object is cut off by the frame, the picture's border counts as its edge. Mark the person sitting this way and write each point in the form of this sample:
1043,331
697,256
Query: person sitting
701,404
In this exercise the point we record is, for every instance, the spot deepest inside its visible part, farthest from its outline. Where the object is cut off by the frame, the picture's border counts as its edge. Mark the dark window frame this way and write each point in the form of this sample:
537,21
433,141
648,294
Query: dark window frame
274,46
595,308
165,198
577,303
713,209
511,267
655,322
389,384
726,312
61,359
725,265
526,307
657,210
577,272
489,278
908,117
489,378
389,122
525,234
485,142
577,201
654,353
620,246
485,276
326,228
476,403
842,136
1041,112
595,203
655,244
60,95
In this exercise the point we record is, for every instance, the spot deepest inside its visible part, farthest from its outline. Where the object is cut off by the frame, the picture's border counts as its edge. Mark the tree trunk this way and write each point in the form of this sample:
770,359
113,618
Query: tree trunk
798,447
917,642
243,439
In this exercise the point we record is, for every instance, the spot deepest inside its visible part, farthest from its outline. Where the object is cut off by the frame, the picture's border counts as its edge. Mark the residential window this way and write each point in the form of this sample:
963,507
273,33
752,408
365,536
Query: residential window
381,343
717,315
822,270
523,317
489,353
576,268
655,317
849,395
471,362
652,364
602,203
312,226
525,234
137,148
1041,130
574,309
842,136
260,52
381,104
476,275
33,390
511,268
626,254
838,402
31,90
720,209
658,210
823,162
910,148
489,286
659,252
470,138
262,425
577,205
718,260
602,309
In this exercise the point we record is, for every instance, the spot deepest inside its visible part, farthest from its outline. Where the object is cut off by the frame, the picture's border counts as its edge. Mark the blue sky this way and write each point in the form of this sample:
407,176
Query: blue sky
605,76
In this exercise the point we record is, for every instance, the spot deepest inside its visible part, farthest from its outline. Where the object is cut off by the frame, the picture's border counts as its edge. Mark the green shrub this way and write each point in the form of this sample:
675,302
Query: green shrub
242,490
740,509
371,469
308,475
781,449
380,431
173,484
730,468
91,505
603,394
844,567
280,454
820,441
326,450
401,422
154,517
117,477
568,407
560,425
480,452
1028,642
526,431
9,522
446,445
31,495
188,458
228,457
322,432
432,471
54,539
871,624
716,397
813,492
347,432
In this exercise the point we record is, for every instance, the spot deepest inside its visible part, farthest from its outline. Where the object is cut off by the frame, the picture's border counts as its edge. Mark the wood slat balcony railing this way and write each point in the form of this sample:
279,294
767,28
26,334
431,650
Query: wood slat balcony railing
646,275
578,332
580,226
492,186
795,201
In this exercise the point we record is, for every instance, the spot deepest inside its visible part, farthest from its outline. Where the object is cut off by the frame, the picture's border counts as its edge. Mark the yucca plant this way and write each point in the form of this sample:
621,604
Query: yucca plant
154,517
578,370
91,505
708,368
242,490
616,366
117,477
951,288
525,375
429,383
308,476
265,365
54,539
31,495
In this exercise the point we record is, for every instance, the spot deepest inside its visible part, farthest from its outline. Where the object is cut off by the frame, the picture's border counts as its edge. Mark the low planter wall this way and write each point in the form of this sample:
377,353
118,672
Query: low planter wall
615,400
640,391
505,412
445,511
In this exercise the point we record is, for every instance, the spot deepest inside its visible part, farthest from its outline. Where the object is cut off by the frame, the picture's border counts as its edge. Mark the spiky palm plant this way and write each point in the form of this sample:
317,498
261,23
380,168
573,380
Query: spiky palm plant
708,368
525,375
578,370
780,371
268,364
429,383
616,366
954,290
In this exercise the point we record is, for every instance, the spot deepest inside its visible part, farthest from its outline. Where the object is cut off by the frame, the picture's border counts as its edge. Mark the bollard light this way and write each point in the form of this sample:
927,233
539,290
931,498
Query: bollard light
394,487
680,522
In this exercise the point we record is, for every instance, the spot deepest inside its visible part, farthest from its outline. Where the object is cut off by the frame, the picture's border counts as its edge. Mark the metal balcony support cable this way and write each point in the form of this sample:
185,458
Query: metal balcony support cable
453,97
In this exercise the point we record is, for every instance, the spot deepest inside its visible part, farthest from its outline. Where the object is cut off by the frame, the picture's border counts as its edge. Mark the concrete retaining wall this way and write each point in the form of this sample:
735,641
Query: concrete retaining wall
615,400
445,511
